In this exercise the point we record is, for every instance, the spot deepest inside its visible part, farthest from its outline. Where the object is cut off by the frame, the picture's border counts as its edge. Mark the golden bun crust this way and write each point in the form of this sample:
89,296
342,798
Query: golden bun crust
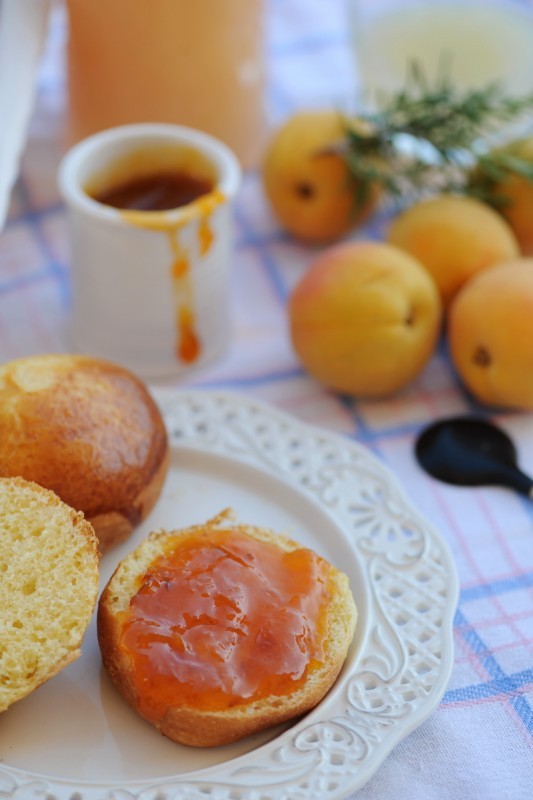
204,728
88,430
48,587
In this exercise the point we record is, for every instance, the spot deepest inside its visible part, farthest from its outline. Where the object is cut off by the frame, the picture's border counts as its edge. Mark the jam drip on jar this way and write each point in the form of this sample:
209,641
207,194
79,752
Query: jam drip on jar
221,619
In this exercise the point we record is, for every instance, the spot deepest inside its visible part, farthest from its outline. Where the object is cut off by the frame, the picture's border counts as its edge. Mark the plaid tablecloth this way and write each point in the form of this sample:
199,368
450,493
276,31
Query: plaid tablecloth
478,744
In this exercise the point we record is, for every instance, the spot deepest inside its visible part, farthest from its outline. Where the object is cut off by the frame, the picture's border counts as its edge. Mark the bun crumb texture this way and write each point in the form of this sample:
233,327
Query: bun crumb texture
48,586
221,630
88,430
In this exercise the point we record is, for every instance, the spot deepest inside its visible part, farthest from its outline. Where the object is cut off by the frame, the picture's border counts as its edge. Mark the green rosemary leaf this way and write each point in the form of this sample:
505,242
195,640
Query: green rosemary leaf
508,163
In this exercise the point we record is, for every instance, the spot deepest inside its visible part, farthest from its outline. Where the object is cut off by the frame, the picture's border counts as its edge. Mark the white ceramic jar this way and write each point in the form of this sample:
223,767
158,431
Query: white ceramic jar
149,288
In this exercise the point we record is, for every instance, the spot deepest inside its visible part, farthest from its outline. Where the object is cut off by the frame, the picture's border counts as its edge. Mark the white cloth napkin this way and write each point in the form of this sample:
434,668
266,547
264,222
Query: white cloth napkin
23,25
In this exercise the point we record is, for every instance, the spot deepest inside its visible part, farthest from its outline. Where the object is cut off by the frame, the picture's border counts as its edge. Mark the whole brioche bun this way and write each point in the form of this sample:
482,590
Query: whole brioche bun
203,727
88,430
48,586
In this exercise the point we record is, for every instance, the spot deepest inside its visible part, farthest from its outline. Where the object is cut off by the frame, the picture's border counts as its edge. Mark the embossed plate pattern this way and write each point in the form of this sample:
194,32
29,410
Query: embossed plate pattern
327,492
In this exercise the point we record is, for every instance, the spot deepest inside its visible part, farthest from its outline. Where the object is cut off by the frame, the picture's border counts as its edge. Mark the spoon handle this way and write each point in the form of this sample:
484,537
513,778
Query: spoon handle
516,479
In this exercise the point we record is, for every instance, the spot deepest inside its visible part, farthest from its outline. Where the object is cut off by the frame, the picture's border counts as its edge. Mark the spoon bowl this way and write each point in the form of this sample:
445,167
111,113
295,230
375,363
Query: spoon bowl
469,451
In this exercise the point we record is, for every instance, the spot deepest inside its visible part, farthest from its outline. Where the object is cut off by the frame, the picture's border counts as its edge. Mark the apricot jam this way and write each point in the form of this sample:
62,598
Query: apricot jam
221,619
161,191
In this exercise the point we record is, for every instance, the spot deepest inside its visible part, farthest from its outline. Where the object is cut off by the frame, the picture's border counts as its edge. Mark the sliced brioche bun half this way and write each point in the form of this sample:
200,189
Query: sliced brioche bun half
200,727
48,586
88,430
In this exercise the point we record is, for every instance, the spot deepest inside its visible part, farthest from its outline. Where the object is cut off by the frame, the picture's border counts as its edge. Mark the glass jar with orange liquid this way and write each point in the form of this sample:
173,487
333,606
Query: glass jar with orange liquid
198,63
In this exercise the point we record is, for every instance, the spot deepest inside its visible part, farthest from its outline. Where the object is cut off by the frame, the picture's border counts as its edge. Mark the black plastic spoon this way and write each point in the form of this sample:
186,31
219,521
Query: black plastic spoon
468,451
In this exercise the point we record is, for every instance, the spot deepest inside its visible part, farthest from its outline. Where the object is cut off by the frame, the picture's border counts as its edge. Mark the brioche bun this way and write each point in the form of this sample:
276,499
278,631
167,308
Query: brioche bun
48,586
88,430
193,723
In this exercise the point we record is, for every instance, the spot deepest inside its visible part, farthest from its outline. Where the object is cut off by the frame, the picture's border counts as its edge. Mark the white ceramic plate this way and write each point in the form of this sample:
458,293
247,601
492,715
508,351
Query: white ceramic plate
75,738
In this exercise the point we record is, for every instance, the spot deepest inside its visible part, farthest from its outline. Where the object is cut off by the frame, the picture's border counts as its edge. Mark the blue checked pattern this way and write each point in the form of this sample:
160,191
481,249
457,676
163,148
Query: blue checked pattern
479,743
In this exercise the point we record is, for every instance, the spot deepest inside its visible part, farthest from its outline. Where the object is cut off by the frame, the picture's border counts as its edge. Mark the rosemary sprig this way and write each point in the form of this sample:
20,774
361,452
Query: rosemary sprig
426,138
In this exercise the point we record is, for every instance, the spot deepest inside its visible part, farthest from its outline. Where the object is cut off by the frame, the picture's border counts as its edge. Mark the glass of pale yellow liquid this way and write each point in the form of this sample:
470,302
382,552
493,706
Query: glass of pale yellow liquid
475,41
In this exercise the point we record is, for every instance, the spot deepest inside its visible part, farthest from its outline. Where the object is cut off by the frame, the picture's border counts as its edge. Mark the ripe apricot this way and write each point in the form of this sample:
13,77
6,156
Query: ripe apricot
365,318
489,334
513,195
307,181
454,237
